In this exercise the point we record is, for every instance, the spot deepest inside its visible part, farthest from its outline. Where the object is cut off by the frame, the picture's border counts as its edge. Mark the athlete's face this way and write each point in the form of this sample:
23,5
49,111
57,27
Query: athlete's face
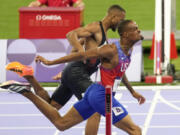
133,32
118,17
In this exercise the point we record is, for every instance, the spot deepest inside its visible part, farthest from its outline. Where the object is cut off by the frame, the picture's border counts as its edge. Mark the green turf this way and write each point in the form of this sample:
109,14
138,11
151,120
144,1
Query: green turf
178,14
142,11
96,9
133,8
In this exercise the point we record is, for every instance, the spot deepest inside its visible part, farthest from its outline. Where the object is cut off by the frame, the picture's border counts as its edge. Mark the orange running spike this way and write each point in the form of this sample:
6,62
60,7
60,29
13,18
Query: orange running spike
20,69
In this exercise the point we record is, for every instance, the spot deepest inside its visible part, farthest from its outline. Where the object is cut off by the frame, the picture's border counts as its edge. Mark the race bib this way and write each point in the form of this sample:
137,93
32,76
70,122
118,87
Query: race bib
117,111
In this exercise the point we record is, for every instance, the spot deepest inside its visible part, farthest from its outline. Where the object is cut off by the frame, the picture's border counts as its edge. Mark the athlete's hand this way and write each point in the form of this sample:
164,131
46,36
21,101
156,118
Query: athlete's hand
139,97
58,76
40,59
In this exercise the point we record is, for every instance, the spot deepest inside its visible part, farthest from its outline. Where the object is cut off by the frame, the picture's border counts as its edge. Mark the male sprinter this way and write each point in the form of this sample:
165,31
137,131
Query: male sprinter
115,59
76,75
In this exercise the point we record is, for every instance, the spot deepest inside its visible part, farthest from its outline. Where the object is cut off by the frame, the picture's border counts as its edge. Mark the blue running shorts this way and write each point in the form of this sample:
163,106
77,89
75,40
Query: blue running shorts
94,101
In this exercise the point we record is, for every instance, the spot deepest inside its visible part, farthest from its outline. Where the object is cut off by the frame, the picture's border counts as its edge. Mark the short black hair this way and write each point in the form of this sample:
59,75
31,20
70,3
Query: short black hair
122,26
116,7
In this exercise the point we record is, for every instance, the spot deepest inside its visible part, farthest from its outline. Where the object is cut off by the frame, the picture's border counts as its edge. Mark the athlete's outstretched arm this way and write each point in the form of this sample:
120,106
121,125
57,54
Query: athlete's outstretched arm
135,94
106,51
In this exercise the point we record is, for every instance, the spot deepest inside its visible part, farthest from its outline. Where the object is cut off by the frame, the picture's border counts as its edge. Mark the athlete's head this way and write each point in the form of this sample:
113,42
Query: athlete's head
117,13
129,30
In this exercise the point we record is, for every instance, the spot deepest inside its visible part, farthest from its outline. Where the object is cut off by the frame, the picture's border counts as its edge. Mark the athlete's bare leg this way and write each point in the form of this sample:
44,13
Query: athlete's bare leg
40,91
62,123
37,88
128,126
92,124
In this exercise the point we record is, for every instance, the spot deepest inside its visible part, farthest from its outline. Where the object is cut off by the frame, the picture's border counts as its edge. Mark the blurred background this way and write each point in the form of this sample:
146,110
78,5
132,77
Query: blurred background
159,115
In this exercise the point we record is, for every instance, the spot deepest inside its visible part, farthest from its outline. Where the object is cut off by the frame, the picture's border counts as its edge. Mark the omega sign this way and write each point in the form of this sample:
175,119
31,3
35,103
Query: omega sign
48,17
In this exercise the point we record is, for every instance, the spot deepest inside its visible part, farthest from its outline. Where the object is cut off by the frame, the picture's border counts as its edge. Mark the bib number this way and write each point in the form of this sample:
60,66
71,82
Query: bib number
117,111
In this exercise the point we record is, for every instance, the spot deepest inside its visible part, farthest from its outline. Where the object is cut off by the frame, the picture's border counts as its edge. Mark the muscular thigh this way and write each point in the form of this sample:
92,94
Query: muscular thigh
72,117
84,108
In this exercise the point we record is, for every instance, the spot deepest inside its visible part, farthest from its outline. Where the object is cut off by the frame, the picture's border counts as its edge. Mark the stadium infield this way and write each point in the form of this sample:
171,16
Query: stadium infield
142,11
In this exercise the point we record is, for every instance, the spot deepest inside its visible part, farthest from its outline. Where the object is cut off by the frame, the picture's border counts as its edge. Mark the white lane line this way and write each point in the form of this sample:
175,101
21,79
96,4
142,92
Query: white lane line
24,115
21,115
163,113
151,112
165,87
25,128
15,103
41,115
169,104
56,132
70,102
76,127
40,127
167,126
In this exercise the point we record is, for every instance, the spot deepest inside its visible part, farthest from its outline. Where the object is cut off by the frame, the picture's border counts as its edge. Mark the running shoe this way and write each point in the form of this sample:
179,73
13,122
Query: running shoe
20,69
16,86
